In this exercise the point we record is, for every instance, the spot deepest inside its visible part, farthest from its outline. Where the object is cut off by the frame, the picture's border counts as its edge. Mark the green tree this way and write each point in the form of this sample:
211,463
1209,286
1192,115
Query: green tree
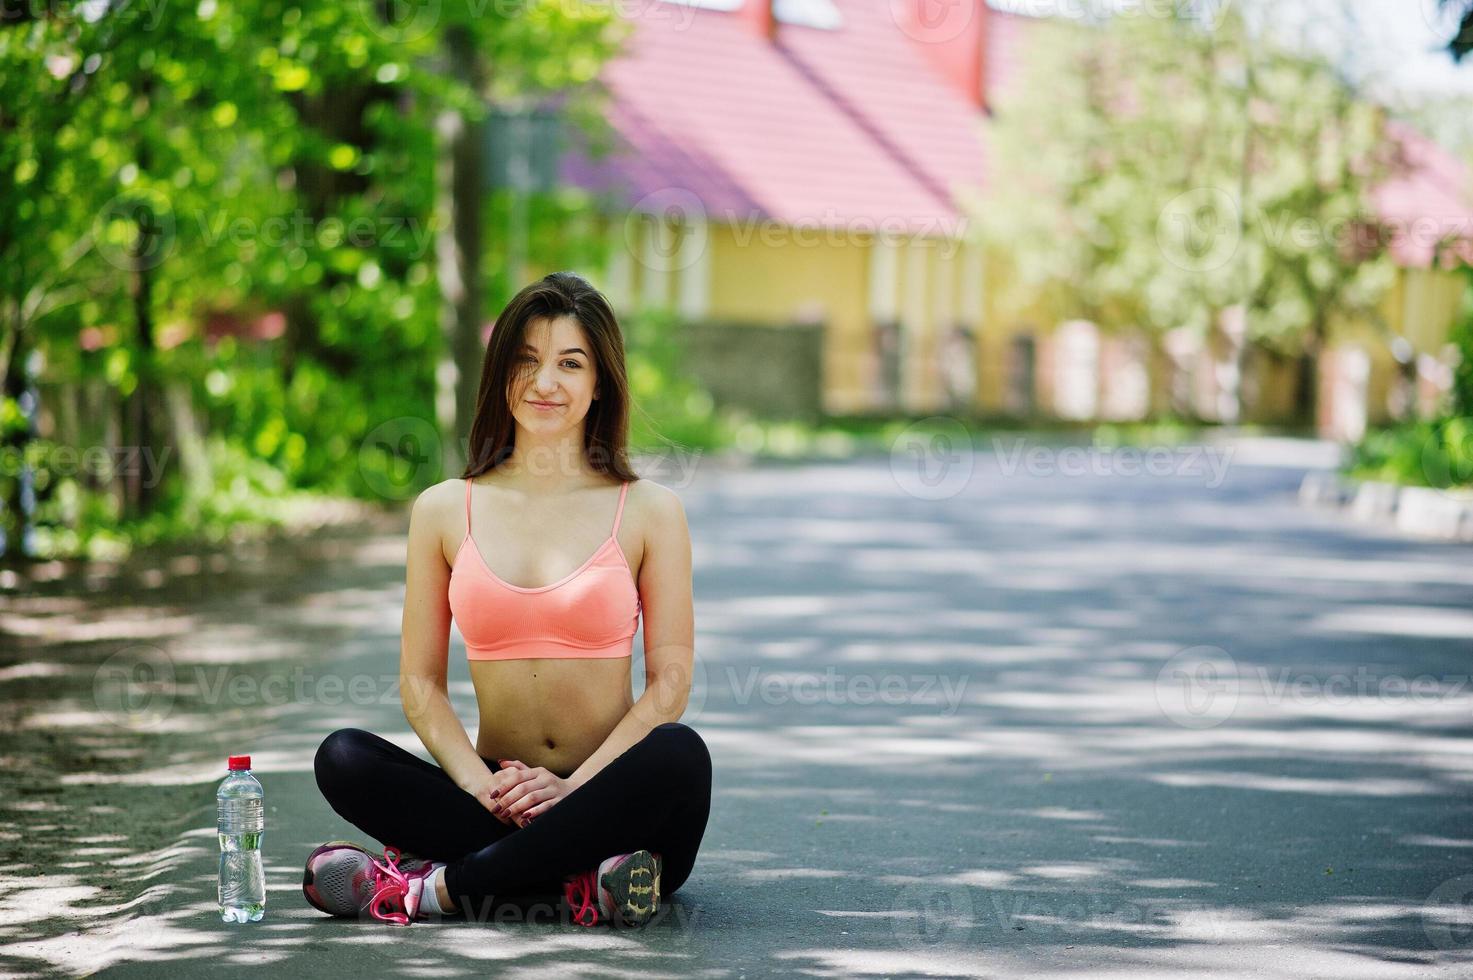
161,167
1157,173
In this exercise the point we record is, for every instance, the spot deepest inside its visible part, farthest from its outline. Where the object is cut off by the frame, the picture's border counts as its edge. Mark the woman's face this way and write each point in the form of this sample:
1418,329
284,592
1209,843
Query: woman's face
554,367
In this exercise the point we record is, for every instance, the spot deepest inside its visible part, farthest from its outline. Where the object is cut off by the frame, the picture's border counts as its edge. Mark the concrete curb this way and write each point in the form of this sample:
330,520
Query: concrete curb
1424,512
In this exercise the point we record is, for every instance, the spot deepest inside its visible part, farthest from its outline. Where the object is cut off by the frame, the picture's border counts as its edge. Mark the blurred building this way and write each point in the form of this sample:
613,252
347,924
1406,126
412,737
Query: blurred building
785,182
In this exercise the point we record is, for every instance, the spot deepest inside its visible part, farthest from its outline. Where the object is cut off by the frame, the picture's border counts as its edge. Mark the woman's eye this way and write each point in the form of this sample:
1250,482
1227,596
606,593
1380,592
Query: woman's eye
570,362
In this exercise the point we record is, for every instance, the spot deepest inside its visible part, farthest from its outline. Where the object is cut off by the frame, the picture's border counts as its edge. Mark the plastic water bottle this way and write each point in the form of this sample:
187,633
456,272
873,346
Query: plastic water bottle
242,820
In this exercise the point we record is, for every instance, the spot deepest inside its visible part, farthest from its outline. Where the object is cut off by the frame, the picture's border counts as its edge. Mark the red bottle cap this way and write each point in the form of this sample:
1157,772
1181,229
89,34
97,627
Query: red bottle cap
240,762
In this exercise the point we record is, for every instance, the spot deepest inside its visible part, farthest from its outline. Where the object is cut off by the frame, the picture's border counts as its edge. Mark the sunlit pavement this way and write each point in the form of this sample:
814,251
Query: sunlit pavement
1019,713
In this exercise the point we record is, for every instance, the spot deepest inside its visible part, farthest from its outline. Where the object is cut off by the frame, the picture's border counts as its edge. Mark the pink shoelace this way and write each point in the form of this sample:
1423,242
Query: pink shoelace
581,891
390,886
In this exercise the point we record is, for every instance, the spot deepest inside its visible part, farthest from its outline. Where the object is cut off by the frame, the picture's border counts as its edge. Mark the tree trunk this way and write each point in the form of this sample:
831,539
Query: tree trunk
142,452
1307,400
14,520
144,457
461,179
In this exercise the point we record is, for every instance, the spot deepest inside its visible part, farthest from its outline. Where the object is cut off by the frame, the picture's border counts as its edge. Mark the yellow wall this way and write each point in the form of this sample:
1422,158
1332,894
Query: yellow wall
781,275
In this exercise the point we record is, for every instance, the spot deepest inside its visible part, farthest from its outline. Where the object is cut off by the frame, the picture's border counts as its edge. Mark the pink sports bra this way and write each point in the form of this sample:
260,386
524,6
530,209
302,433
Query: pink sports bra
591,612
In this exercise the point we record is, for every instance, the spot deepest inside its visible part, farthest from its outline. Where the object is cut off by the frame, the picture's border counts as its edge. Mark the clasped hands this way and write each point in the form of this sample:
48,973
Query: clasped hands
518,793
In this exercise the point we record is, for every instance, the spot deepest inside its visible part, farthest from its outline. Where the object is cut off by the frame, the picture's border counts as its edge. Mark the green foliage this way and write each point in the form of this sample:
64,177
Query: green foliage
1462,339
1188,170
1431,453
164,167
246,494
310,429
669,408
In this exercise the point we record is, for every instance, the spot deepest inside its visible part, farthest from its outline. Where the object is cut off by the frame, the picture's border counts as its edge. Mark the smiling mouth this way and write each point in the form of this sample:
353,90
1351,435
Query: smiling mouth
546,404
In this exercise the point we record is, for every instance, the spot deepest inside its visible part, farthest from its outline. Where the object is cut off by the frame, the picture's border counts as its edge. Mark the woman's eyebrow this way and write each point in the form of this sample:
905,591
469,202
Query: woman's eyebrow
568,350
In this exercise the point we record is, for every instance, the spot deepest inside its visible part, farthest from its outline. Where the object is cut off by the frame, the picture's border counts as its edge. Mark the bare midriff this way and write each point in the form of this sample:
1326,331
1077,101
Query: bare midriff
552,712
548,712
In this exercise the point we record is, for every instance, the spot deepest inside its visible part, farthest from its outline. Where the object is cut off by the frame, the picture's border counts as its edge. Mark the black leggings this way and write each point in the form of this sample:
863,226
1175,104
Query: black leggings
655,796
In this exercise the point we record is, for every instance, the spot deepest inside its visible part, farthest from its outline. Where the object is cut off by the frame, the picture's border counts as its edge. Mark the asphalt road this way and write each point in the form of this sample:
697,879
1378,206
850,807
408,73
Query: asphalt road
1019,713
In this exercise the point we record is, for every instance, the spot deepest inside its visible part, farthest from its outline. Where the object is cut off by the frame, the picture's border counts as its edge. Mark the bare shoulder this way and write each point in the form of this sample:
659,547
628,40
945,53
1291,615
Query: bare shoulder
437,508
660,509
442,498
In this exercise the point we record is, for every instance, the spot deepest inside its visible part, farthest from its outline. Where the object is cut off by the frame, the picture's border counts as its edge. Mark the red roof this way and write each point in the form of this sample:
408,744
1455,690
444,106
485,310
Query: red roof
819,128
1426,202
855,126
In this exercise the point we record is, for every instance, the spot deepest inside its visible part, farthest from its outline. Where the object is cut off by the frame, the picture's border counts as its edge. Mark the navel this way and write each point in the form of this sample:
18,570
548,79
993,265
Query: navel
550,743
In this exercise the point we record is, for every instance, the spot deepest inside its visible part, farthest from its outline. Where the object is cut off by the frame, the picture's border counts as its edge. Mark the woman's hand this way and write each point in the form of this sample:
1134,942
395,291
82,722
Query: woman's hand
521,793
487,788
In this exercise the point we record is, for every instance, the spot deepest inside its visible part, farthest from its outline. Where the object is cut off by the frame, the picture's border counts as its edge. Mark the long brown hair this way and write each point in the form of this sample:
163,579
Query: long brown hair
606,427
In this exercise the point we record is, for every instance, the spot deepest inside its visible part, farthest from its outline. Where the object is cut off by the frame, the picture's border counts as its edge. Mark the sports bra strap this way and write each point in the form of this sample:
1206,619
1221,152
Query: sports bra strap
467,507
623,492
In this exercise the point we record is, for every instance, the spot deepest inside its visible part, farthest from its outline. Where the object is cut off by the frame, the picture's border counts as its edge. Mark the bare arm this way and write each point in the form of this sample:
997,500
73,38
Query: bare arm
425,648
669,633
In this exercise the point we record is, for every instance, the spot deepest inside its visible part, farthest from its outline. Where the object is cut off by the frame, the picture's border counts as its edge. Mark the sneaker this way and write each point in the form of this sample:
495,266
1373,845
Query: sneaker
624,889
346,880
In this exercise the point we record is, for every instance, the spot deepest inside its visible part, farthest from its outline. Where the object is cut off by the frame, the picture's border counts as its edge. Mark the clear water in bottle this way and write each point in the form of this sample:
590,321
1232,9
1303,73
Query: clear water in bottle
241,811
